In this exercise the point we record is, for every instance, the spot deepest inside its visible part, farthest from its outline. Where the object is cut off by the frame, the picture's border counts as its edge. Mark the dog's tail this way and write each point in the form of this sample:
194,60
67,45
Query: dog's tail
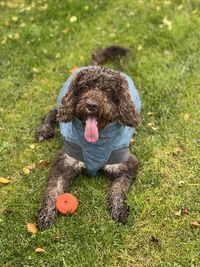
109,54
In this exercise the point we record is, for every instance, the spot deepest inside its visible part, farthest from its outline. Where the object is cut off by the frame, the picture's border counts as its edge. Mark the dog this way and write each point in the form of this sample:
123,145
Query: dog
97,110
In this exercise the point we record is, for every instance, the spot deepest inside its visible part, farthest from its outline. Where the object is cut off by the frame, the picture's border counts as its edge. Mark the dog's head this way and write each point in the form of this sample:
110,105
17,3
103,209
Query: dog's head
97,96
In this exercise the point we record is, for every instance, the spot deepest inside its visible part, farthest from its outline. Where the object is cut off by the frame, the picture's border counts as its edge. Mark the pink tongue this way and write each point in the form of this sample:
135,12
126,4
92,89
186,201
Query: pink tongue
91,131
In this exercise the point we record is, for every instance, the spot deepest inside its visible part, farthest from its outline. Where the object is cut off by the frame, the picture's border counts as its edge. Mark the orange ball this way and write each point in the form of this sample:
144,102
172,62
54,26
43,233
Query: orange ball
66,203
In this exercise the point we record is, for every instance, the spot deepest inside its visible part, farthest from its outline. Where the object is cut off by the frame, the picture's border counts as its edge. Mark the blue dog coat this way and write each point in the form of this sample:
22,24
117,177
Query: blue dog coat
113,138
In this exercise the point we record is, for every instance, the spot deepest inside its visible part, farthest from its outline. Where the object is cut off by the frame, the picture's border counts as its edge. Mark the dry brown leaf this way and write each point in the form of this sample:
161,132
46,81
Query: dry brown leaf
4,180
73,69
194,224
31,228
43,164
65,30
186,117
40,250
185,211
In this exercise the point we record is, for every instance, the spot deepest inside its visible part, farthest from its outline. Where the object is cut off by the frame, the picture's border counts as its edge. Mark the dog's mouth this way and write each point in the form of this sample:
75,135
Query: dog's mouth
91,133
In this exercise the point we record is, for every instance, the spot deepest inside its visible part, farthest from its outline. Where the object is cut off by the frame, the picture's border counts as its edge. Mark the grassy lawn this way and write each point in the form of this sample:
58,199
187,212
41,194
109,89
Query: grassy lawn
40,42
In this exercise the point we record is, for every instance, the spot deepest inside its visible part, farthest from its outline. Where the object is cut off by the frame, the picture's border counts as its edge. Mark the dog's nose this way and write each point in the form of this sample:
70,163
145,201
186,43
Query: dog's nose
91,105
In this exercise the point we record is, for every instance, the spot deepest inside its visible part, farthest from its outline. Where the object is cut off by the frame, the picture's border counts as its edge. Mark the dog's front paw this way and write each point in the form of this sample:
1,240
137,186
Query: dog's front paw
46,217
119,210
43,132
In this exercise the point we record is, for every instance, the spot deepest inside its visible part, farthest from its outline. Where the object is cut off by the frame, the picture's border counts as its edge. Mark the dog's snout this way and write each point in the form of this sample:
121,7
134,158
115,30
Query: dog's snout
92,105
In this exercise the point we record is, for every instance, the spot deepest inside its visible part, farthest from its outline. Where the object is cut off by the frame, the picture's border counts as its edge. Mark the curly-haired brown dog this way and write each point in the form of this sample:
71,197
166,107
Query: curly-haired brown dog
96,98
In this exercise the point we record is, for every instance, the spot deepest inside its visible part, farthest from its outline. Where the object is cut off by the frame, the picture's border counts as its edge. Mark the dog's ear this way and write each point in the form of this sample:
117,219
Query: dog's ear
127,114
66,111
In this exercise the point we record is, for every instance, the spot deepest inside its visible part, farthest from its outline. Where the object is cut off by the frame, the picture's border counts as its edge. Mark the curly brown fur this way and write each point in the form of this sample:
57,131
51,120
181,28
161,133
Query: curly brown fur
112,53
103,93
123,174
63,171
62,174
46,129
108,88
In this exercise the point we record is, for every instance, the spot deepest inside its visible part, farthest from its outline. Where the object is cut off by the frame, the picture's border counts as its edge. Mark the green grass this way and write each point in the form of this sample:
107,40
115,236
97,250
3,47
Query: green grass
36,55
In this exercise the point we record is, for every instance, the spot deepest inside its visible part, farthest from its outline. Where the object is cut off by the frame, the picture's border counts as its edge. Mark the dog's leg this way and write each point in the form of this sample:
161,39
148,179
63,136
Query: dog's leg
123,174
46,129
63,172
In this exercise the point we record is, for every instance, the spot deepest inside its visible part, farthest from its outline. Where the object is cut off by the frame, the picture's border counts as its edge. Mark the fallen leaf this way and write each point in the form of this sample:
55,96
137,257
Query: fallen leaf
150,113
86,8
154,128
31,167
43,164
167,3
28,8
73,69
9,4
166,53
194,224
40,250
22,25
167,22
132,141
31,228
194,11
26,170
180,7
58,55
186,117
181,183
73,19
14,18
35,70
177,150
32,146
16,36
81,58
185,211
4,40
44,7
150,124
4,180
178,213
65,30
